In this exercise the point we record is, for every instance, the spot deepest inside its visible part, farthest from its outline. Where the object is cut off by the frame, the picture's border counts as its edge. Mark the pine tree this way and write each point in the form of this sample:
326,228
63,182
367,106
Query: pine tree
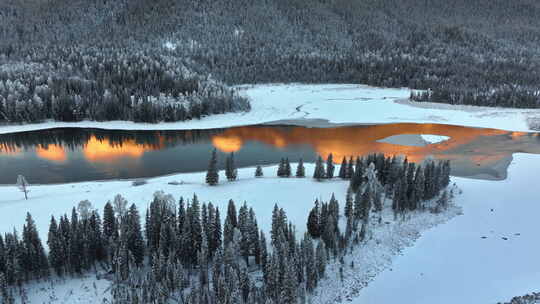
34,258
343,168
2,255
320,257
350,168
212,175
319,172
300,169
230,169
349,203
216,235
313,226
330,166
134,237
287,170
109,223
56,250
263,255
281,168
231,223
259,171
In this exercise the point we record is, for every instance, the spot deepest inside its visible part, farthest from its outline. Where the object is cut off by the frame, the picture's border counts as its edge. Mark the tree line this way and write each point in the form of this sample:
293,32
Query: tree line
182,251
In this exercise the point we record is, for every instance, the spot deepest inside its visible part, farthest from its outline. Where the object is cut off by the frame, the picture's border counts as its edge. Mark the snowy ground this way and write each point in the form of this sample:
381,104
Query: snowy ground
447,258
295,195
337,103
488,255
386,240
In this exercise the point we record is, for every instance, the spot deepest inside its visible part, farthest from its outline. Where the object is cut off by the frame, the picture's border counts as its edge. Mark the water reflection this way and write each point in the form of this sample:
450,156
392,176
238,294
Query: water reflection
62,155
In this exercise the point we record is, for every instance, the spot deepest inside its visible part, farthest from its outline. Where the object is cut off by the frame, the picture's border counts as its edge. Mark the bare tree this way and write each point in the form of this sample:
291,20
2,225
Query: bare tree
23,185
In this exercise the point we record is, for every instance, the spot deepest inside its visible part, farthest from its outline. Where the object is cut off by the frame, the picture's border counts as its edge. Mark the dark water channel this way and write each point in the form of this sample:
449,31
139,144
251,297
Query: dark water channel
71,155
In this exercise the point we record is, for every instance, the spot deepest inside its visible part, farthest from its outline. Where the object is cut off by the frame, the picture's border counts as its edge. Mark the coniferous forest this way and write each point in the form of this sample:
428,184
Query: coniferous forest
182,251
167,60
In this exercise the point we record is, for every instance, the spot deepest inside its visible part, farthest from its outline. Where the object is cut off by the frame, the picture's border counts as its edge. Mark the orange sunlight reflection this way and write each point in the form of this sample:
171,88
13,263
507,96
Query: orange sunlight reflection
96,150
52,152
355,141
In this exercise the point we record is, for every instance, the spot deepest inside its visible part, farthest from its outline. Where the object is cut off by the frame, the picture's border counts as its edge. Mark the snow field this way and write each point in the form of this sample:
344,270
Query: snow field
489,254
337,103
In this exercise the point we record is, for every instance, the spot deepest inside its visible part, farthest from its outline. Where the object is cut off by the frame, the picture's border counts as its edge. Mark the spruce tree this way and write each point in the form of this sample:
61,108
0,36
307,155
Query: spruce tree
330,166
259,171
230,169
2,255
300,169
110,230
216,235
56,251
134,237
320,257
212,175
343,168
349,203
287,169
281,168
313,221
319,172
350,168
34,258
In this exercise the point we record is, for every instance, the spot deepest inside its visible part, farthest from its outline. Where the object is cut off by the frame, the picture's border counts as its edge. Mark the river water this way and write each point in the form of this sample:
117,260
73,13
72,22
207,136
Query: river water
72,155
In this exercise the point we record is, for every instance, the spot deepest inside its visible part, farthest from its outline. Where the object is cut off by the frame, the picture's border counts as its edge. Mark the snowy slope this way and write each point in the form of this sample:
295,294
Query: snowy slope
337,103
453,263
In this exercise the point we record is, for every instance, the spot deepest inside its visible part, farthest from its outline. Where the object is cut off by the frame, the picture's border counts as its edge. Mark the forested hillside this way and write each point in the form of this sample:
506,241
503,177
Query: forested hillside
87,58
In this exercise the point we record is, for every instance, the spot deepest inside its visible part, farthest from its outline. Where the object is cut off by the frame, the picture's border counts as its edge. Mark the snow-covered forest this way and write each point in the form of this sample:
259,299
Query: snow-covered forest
170,60
180,250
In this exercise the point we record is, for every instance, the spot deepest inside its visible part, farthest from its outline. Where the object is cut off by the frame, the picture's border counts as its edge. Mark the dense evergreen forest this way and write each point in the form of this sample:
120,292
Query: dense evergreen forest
169,60
182,252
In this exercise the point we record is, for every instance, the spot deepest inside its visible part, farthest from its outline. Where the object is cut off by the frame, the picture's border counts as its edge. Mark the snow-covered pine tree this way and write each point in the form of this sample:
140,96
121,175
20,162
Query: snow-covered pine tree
281,168
253,232
330,166
313,221
343,168
300,169
230,169
34,259
287,172
259,171
230,224
349,209
320,257
319,172
212,175
134,238
56,251
216,233
350,168
109,223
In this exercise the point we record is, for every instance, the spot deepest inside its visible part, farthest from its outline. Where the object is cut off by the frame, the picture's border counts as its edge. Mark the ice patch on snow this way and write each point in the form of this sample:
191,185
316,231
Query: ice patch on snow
434,139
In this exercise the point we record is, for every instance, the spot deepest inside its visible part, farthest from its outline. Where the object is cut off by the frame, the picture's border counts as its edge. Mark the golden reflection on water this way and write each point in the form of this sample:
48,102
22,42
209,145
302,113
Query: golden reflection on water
471,145
52,152
103,150
357,141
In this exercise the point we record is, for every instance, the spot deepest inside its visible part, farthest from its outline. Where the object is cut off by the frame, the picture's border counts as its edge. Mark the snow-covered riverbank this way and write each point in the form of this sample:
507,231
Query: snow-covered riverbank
336,103
488,255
